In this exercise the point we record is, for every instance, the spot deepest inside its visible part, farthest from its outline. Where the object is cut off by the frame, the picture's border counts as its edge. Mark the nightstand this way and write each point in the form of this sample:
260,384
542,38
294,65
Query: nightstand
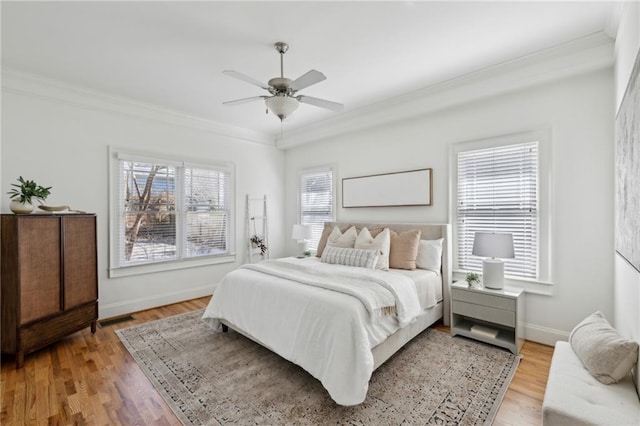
490,316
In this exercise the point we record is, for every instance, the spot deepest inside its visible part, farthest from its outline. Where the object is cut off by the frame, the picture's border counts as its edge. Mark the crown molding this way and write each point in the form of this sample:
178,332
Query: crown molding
579,56
39,87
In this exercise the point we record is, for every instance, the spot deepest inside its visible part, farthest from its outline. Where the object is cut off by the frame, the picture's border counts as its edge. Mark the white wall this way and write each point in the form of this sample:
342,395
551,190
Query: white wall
62,141
627,279
577,110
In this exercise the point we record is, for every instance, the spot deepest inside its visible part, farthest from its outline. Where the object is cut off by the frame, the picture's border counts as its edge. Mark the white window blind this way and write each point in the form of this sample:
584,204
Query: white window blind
316,201
498,192
170,211
206,209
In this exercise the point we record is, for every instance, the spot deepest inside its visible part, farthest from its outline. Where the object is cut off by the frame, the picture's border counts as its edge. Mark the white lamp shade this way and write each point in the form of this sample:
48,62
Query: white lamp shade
301,232
281,106
493,245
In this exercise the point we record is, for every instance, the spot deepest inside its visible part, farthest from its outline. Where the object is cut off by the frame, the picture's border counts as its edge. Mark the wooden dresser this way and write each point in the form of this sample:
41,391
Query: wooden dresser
49,284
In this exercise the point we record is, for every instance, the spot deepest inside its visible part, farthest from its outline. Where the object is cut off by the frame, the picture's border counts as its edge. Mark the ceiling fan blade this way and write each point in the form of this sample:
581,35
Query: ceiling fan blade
244,100
333,106
306,80
246,78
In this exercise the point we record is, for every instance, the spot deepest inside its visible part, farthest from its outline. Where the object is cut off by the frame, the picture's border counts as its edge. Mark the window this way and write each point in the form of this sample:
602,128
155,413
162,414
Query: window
316,201
169,212
497,189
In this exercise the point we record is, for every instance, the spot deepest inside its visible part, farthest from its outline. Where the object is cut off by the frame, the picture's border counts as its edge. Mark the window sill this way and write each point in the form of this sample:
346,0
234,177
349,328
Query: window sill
169,266
540,287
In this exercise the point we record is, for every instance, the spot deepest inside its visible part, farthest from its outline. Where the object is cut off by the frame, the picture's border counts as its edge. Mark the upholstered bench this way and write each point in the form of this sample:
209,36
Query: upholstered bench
590,382
575,397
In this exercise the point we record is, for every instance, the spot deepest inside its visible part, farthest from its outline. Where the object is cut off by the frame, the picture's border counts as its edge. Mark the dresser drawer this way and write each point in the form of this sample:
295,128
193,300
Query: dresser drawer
43,332
485,313
484,299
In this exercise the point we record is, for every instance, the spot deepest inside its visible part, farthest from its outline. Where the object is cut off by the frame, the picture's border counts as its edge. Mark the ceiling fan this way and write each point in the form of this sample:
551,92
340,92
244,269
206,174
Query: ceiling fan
283,96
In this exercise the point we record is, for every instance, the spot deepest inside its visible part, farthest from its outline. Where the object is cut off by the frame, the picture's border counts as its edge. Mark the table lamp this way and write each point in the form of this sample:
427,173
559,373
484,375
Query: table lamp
301,233
494,247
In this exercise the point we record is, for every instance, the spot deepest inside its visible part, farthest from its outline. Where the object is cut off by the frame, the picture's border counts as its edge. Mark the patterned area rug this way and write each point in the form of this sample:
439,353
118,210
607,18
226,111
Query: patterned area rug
212,378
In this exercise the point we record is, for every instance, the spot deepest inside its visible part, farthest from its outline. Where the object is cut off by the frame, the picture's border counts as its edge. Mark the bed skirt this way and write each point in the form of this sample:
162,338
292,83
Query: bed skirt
384,350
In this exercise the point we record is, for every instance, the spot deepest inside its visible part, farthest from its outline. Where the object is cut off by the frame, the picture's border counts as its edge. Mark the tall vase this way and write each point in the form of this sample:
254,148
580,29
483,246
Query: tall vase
20,208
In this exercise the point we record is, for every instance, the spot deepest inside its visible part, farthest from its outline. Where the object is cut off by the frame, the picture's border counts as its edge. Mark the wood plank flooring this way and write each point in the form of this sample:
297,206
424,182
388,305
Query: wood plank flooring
92,380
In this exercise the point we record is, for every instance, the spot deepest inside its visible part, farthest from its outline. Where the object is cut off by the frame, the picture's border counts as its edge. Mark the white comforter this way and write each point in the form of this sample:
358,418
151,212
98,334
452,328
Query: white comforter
330,334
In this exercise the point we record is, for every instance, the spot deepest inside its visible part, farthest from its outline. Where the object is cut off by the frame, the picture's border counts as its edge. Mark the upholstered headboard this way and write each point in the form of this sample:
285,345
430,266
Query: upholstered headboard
430,231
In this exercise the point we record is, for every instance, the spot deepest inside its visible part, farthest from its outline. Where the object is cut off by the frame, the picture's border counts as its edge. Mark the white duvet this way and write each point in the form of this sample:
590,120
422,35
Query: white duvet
328,333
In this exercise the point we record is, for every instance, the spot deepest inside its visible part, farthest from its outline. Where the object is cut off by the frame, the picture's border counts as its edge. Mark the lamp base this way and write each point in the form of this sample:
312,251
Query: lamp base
493,273
302,248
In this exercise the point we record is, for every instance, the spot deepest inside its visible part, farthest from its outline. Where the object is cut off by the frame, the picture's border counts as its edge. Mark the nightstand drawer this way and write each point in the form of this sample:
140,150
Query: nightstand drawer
485,313
484,299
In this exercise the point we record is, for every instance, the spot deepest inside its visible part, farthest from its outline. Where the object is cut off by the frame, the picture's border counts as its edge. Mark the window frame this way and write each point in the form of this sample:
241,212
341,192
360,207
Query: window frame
116,205
310,170
543,282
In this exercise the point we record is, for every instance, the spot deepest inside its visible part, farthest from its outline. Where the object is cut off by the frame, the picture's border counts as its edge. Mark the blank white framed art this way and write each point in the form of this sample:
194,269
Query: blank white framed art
407,188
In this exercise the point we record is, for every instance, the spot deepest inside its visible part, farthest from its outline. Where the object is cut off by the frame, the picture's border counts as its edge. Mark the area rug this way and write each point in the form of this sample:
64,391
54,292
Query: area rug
212,378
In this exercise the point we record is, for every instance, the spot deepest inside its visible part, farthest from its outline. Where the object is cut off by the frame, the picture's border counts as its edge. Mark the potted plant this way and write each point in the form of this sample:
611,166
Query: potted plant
258,242
472,279
23,194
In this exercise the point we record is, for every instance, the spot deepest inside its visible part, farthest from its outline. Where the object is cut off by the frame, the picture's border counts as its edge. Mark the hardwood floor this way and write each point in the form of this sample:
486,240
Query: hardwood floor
92,380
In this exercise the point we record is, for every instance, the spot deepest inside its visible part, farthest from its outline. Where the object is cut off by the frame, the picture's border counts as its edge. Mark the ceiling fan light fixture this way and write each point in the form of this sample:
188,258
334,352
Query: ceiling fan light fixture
283,98
281,106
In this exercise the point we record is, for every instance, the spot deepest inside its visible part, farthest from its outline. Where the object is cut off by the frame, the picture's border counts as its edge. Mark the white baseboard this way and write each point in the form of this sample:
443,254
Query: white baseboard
154,301
544,335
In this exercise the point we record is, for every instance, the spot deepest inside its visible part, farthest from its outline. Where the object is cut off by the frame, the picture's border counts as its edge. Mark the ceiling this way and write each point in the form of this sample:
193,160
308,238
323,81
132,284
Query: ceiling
172,54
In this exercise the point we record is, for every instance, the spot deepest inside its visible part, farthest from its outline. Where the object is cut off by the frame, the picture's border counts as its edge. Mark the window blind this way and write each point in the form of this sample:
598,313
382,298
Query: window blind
498,192
206,209
316,202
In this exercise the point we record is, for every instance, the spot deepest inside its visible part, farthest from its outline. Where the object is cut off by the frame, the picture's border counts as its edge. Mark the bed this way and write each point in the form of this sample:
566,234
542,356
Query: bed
336,337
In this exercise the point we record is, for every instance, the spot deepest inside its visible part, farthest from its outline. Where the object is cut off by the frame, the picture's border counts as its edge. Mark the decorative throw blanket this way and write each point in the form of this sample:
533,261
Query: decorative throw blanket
380,292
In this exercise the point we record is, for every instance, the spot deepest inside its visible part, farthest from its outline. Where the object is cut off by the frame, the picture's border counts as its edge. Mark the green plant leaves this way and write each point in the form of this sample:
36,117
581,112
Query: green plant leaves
27,190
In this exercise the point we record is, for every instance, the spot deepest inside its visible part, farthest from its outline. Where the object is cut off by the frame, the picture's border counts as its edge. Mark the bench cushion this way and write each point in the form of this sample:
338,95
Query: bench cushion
575,397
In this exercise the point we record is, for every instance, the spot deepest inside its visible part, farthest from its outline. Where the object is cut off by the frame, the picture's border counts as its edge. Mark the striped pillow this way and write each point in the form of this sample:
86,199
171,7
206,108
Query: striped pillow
350,257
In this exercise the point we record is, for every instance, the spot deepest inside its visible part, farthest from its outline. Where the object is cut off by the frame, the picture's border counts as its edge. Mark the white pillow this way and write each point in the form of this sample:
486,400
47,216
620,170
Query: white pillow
604,353
350,257
346,240
382,243
430,255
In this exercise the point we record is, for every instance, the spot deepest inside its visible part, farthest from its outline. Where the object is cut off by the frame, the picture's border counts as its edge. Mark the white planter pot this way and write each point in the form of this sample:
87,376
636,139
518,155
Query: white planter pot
20,208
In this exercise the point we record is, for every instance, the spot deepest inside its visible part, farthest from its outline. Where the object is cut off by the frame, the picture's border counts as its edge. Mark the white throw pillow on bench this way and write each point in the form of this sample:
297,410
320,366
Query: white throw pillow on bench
605,354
